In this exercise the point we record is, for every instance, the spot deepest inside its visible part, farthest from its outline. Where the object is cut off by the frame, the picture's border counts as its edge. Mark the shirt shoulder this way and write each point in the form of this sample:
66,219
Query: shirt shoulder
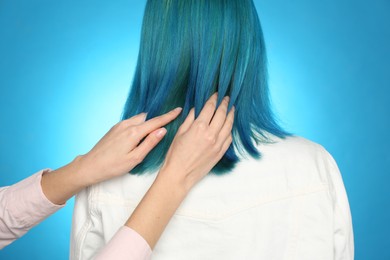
302,162
299,145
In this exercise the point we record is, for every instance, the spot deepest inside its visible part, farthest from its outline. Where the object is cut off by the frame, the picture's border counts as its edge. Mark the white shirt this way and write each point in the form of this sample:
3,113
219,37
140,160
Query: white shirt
290,204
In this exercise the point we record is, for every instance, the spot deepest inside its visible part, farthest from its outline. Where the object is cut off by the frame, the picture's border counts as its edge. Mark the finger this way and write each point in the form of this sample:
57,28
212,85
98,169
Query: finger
187,122
227,127
225,145
208,110
138,154
157,122
220,116
136,119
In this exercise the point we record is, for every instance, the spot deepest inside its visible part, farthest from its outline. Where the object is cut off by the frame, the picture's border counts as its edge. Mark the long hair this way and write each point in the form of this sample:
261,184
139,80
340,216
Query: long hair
192,48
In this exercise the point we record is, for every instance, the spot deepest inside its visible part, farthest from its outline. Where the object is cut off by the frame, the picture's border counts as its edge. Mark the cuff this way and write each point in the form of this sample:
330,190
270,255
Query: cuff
29,204
126,244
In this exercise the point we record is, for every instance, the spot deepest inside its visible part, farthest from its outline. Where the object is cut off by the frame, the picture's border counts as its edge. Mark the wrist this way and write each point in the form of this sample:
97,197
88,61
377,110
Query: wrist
81,172
61,184
174,181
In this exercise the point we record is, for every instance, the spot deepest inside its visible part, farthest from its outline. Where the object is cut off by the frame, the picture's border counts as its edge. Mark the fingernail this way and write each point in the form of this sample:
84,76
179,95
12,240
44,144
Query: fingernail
161,132
227,98
144,116
177,109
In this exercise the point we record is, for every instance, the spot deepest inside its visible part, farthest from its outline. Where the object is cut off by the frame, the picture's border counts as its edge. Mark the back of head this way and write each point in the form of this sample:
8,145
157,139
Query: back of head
189,50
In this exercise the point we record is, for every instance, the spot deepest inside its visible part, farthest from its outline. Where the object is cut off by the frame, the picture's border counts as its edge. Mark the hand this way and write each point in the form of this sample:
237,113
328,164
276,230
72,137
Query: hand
115,154
118,151
199,144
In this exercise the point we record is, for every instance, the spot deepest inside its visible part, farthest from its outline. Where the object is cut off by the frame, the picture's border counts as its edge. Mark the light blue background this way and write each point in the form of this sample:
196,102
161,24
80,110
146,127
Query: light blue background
66,68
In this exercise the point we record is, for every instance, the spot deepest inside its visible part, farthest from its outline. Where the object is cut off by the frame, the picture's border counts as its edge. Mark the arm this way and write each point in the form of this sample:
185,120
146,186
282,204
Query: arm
160,203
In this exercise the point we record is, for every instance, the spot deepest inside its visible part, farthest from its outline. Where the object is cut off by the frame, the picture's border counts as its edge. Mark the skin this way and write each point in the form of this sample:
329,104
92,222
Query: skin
197,146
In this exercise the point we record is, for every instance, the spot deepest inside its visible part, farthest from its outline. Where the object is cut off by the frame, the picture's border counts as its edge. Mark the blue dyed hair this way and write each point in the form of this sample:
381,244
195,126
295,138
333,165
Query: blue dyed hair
189,50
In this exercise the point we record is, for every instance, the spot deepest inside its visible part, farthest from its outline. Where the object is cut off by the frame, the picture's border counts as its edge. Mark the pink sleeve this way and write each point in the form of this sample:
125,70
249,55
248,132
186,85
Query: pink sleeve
22,206
125,244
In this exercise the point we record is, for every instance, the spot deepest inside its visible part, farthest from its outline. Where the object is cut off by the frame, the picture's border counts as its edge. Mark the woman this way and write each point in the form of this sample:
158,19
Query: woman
284,198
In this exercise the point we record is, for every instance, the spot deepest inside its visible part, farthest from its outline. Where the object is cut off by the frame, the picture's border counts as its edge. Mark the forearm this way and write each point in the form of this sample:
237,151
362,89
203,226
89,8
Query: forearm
156,208
61,184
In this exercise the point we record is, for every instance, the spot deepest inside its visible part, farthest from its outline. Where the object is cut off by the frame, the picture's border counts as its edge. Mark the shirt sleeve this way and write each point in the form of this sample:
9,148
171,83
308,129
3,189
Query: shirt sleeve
22,206
342,219
126,244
